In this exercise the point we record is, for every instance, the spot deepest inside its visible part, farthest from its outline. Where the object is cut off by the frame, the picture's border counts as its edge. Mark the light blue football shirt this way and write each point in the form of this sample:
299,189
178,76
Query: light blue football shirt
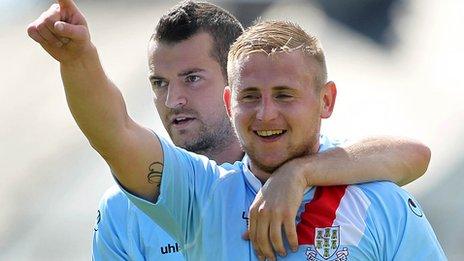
204,207
124,232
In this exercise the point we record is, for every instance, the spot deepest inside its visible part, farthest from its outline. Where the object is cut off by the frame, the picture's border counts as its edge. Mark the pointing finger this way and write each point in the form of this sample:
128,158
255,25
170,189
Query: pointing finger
67,4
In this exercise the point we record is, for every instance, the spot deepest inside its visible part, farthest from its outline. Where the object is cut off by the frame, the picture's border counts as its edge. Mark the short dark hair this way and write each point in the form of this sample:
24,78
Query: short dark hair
189,17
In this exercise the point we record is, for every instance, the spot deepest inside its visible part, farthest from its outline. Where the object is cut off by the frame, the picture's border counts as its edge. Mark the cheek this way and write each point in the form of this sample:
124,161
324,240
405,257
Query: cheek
159,105
159,97
241,118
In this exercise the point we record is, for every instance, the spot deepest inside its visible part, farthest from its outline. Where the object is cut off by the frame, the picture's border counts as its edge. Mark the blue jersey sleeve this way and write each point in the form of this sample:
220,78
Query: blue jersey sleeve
185,185
417,240
399,226
108,237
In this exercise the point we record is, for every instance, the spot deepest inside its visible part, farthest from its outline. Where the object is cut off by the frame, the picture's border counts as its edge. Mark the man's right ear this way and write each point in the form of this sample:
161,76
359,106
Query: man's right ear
227,98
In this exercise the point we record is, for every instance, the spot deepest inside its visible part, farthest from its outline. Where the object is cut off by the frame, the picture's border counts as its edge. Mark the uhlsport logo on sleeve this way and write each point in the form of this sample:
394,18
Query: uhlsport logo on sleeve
326,245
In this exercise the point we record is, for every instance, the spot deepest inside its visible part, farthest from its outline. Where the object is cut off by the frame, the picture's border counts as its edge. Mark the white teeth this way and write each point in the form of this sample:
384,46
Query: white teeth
180,119
266,133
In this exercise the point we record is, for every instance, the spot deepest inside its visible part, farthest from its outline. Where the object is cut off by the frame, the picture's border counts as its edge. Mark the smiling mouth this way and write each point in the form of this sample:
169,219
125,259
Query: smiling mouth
269,134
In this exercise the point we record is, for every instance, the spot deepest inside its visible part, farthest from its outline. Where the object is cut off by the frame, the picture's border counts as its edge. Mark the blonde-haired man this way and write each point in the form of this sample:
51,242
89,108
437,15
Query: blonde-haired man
278,85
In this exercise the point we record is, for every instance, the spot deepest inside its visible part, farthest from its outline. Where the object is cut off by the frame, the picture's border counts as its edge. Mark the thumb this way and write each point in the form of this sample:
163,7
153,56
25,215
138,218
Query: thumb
74,32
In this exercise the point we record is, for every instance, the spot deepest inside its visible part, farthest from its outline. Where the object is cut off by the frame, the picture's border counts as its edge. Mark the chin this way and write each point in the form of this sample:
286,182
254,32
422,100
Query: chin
268,165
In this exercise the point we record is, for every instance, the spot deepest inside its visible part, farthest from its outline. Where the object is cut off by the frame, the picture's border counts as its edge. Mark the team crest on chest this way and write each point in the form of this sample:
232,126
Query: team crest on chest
326,245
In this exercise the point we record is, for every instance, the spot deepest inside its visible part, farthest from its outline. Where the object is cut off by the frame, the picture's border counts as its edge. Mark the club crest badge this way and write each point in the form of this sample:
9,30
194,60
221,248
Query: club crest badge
326,245
327,241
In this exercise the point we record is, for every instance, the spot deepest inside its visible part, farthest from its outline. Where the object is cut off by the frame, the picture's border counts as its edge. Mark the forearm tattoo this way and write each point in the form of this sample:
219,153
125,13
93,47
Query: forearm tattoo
155,171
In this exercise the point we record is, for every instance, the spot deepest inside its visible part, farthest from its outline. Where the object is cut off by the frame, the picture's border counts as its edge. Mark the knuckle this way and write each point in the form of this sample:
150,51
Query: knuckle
286,214
263,210
277,212
31,29
41,26
49,20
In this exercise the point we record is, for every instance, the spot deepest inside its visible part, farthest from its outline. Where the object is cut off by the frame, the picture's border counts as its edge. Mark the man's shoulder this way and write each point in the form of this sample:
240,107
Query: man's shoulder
386,202
384,191
381,197
114,201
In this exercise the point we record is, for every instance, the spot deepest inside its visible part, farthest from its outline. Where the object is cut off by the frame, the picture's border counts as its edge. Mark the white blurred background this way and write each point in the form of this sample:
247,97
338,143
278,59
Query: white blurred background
398,65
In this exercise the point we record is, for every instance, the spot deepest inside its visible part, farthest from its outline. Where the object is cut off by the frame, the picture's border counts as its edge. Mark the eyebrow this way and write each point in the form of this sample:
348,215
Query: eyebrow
249,89
154,77
181,74
281,88
190,71
276,88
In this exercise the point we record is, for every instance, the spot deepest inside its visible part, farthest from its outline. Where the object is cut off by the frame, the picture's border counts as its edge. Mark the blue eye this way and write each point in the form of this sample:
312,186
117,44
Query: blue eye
192,78
159,83
283,96
249,98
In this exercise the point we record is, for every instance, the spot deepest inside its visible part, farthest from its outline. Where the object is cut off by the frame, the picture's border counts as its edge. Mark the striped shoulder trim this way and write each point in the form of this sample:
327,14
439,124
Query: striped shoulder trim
319,212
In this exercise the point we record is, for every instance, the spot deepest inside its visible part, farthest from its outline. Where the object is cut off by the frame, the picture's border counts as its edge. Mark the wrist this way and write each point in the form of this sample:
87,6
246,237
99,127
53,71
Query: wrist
304,168
84,59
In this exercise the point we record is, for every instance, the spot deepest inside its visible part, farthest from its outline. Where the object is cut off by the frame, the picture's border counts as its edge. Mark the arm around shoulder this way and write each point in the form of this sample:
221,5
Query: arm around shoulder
399,160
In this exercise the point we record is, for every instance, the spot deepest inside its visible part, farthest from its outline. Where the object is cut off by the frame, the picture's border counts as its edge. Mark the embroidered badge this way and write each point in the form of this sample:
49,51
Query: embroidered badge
326,245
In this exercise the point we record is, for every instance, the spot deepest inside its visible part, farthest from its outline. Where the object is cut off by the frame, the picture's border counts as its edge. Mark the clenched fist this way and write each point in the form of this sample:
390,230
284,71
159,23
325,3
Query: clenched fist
62,31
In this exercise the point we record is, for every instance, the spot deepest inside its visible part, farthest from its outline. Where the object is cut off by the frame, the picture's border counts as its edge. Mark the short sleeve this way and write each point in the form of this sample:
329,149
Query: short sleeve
186,182
107,242
400,225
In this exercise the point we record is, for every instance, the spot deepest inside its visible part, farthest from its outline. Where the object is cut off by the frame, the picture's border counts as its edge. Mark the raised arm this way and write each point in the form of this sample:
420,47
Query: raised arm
378,158
96,104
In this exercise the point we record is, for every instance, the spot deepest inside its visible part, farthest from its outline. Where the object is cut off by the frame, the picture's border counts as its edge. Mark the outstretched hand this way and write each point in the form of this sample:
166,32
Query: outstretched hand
272,214
62,31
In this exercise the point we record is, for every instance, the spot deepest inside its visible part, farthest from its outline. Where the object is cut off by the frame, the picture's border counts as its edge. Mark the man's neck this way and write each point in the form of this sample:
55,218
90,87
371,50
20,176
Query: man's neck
232,153
263,174
259,173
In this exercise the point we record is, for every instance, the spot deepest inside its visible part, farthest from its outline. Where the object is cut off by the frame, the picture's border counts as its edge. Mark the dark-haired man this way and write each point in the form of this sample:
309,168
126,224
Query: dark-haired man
185,64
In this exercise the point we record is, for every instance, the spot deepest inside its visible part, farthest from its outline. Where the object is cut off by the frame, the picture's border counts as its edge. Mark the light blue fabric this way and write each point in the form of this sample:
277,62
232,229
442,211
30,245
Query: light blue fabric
123,232
204,207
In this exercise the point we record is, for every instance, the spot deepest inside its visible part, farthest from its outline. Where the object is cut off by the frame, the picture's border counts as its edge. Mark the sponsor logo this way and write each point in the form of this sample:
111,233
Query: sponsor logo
326,245
95,227
244,217
415,207
170,249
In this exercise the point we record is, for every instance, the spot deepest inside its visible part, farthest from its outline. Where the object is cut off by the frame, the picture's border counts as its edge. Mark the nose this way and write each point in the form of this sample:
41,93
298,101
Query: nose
267,110
175,97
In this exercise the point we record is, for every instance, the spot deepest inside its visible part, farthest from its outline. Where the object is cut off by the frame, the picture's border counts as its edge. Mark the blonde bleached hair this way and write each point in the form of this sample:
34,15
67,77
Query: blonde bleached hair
271,37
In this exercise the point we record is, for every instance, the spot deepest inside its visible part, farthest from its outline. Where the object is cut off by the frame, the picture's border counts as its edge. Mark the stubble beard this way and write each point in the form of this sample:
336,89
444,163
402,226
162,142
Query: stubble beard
293,152
210,140
304,149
